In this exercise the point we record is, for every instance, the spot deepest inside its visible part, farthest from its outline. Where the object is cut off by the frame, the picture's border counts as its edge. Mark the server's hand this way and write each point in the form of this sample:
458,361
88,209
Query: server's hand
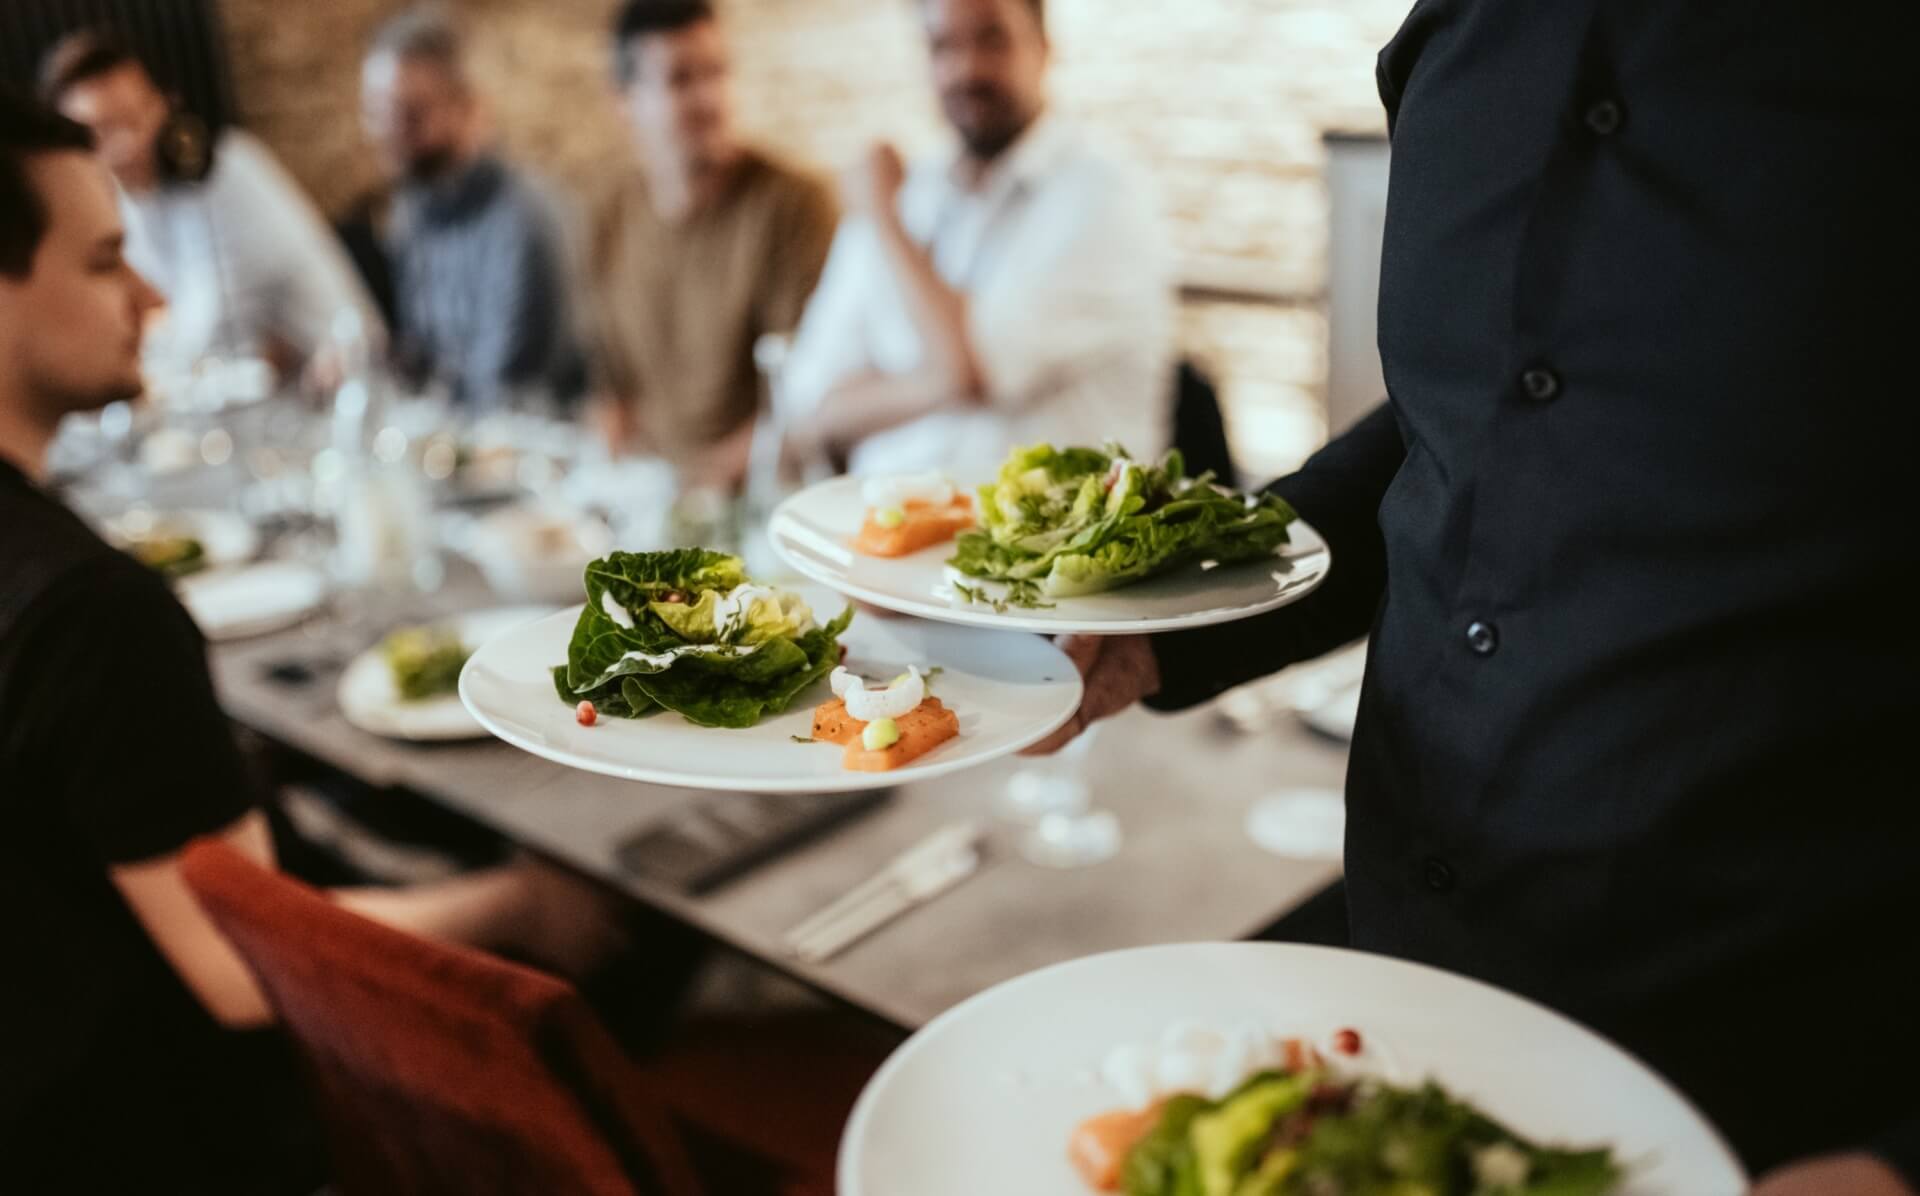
1833,1175
1118,670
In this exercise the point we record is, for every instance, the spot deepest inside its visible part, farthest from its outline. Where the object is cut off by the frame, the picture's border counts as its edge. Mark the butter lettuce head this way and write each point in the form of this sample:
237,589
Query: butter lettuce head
722,653
781,614
1078,521
744,615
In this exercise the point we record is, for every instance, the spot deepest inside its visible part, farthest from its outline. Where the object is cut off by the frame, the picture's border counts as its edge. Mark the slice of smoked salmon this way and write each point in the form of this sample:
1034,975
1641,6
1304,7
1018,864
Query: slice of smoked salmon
922,729
922,525
1100,1145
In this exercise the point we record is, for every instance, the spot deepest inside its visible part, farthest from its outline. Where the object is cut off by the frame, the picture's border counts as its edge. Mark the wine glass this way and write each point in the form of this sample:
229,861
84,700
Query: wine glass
1052,796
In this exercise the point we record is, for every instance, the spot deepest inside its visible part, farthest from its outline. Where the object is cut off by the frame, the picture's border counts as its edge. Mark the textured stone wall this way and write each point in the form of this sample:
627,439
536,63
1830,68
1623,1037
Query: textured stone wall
1225,100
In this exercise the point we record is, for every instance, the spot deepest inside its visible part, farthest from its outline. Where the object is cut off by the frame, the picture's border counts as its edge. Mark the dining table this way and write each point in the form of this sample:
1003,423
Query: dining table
1181,787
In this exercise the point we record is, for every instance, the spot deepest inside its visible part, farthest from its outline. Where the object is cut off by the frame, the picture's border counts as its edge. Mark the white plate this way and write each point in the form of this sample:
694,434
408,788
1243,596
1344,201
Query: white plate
369,701
1008,690
231,604
814,529
985,1097
226,538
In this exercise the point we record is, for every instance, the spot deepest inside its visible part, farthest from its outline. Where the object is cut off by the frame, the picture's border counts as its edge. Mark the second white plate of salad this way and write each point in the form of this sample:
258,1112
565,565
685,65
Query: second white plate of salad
679,670
1271,1069
406,686
1082,541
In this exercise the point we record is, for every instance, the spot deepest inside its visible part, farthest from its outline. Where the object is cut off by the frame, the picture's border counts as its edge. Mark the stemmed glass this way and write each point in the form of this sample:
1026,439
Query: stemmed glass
1052,796
772,470
1302,822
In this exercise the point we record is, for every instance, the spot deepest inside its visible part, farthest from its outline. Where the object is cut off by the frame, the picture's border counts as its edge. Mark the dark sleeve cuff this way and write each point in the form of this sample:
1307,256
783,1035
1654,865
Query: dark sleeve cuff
1899,1148
1338,491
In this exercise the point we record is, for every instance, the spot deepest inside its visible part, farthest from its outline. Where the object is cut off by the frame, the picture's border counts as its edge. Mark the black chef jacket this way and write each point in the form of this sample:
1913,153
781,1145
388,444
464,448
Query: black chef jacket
1636,542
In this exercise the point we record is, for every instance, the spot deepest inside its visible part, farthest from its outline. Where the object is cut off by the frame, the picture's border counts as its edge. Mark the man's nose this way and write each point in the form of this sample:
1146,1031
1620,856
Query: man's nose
146,296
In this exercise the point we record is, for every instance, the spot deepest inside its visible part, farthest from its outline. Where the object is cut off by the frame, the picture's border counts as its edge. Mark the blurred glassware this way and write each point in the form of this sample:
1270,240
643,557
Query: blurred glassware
765,486
1052,796
1324,694
90,443
384,547
280,444
217,384
703,516
774,470
764,483
534,551
634,496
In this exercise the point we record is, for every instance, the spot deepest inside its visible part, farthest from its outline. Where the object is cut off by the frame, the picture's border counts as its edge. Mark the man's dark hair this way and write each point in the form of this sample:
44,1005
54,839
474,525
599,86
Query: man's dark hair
28,129
426,33
643,18
78,57
1038,8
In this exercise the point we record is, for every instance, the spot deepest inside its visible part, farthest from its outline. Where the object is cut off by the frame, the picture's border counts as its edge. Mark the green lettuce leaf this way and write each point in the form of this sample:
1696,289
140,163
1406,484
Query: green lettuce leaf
1078,521
717,693
637,578
718,663
1227,1138
771,614
609,700
1163,1162
1422,1139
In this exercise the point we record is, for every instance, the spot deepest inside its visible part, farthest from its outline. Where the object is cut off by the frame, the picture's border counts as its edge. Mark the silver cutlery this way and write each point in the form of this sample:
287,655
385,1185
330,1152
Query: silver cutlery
916,876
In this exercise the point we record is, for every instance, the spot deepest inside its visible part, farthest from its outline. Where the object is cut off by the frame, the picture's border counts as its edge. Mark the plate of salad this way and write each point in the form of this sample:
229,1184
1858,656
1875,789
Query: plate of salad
1080,540
177,544
1269,1069
408,685
679,669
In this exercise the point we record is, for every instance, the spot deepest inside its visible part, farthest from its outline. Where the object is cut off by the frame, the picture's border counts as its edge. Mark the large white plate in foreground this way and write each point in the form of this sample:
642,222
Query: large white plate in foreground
1009,691
984,1098
813,530
369,701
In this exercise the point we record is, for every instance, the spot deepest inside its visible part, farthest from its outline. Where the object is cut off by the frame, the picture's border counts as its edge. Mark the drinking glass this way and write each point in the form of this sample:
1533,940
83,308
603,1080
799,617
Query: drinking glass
1052,796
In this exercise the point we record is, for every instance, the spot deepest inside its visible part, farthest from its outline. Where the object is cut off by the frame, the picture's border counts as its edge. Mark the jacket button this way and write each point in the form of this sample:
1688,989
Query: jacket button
1438,875
1540,384
1603,117
1482,638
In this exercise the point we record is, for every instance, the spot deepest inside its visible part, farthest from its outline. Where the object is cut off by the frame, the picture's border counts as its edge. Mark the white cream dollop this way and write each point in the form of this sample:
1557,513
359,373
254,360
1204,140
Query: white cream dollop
1190,1057
897,490
868,704
1129,1070
613,610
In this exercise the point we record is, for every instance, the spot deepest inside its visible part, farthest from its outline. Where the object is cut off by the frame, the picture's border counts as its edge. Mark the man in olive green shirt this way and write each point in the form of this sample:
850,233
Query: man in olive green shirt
706,247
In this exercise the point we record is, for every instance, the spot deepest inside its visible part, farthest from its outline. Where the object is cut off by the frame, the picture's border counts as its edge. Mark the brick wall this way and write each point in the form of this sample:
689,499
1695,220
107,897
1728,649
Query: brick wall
1225,100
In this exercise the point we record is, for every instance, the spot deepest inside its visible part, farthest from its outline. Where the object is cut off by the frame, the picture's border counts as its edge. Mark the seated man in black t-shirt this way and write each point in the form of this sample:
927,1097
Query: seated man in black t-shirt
118,1056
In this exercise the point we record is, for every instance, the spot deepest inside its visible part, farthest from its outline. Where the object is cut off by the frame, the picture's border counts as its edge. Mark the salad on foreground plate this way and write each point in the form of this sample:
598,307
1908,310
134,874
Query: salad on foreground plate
1303,1124
686,631
1064,522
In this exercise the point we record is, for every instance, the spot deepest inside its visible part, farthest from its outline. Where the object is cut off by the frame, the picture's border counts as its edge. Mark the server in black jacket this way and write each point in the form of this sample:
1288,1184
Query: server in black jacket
1634,537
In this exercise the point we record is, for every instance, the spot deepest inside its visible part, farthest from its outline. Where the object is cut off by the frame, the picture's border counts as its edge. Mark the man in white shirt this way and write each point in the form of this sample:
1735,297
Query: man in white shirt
1017,291
247,265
